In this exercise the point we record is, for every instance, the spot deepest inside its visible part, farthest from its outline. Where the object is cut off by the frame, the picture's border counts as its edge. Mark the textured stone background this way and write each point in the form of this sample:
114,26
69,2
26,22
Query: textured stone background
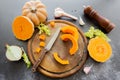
109,70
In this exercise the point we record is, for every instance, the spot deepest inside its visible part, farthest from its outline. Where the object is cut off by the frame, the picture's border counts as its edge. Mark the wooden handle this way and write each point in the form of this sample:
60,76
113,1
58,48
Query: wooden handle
42,54
102,21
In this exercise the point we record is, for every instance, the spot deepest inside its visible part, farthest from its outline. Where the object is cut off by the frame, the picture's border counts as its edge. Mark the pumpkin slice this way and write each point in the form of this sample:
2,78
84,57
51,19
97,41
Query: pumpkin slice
74,47
99,49
58,59
22,28
71,30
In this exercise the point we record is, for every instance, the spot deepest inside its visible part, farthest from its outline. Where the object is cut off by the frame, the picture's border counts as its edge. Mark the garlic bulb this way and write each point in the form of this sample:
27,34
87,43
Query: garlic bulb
61,13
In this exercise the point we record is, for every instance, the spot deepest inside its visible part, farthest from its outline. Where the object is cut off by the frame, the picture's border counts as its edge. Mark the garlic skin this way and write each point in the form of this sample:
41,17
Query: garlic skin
87,69
61,13
58,13
81,22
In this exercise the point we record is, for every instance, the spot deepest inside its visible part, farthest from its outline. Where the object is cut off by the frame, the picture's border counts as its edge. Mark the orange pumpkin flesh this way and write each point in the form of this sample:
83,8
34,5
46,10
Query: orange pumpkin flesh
58,59
42,44
22,28
42,37
99,49
70,30
38,49
74,47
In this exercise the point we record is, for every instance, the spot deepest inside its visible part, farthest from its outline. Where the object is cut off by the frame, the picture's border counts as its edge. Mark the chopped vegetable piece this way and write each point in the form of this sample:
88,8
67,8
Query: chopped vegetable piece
71,30
42,44
99,33
38,49
42,37
58,59
96,32
90,33
13,53
43,29
99,49
25,58
52,24
74,47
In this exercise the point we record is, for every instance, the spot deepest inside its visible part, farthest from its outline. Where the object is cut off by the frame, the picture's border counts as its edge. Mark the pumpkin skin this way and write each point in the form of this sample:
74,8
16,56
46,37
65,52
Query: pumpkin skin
35,11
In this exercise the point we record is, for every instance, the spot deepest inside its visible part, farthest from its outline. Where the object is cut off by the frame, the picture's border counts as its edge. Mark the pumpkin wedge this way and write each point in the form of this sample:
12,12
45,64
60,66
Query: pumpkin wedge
22,28
74,47
71,30
58,59
99,49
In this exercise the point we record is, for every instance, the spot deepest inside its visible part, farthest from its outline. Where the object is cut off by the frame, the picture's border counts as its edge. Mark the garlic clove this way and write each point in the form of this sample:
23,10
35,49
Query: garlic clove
81,22
61,13
58,13
87,69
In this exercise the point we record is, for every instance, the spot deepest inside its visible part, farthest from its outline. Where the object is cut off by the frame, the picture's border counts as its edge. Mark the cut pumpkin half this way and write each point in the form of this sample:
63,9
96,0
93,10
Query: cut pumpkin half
22,28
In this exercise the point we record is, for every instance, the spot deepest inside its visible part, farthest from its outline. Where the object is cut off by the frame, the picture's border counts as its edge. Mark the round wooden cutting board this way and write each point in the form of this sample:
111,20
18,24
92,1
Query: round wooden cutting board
49,66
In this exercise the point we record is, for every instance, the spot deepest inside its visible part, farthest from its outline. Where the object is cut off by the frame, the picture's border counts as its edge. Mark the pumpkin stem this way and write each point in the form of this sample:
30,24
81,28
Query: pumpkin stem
33,9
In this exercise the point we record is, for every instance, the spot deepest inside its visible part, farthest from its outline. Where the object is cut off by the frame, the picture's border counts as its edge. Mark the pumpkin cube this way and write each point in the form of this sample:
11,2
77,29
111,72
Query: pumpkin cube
42,37
38,49
42,44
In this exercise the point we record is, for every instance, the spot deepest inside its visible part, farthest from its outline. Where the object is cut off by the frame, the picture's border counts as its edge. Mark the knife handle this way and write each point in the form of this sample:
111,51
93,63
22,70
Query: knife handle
42,54
102,21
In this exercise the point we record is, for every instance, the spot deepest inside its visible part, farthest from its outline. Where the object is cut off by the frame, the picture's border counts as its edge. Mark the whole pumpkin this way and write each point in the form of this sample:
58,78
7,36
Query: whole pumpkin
36,11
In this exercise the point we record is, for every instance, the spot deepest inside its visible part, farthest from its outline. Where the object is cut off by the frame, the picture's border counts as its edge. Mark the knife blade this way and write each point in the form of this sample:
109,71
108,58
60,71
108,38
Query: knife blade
46,49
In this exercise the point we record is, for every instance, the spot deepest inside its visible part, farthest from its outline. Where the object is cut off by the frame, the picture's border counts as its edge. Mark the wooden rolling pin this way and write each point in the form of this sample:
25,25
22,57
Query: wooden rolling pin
102,21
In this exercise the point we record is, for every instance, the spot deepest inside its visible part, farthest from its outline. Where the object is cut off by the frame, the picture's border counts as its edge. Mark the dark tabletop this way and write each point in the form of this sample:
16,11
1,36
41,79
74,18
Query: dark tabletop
109,70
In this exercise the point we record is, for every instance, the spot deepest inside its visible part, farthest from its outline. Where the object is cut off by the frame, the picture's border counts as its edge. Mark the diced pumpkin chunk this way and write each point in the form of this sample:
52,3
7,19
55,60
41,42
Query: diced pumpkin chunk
42,37
42,44
52,24
38,49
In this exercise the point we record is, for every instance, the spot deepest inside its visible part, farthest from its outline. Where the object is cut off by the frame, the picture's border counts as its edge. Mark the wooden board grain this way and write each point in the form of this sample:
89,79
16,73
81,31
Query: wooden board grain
49,66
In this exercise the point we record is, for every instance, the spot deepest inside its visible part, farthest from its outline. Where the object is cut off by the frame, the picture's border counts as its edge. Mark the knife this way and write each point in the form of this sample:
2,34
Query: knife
46,49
